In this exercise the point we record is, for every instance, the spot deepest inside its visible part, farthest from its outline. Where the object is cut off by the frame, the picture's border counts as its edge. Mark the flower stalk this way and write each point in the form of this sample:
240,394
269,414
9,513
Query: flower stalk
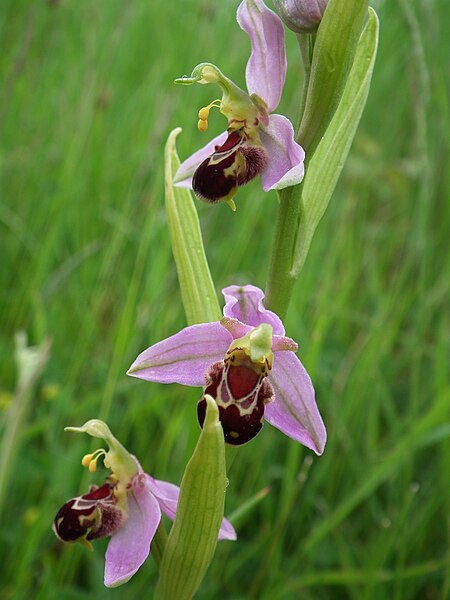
281,278
306,45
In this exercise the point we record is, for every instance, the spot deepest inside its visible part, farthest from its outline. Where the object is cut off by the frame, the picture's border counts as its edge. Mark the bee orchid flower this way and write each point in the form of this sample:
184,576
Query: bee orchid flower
245,362
256,141
127,507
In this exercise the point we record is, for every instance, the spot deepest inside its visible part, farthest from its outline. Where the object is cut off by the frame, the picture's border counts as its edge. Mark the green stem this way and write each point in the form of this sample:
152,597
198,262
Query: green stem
159,544
306,44
282,276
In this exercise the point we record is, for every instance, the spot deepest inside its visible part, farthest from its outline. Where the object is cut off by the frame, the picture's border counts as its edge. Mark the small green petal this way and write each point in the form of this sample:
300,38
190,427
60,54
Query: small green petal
260,342
257,343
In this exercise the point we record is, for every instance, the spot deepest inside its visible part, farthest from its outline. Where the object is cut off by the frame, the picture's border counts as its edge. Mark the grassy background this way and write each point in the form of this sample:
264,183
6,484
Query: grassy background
86,104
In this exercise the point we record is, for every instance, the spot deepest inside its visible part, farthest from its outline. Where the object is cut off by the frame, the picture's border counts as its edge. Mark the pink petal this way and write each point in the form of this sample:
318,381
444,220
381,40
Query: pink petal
235,327
294,410
227,531
167,495
183,176
285,157
266,68
184,357
129,547
282,343
246,304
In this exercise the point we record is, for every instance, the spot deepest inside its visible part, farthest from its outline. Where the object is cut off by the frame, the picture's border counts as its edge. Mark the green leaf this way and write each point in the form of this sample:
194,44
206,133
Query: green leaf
193,537
197,288
329,157
334,51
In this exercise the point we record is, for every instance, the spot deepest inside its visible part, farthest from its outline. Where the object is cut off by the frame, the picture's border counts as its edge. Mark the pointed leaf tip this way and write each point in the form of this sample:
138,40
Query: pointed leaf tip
212,413
197,288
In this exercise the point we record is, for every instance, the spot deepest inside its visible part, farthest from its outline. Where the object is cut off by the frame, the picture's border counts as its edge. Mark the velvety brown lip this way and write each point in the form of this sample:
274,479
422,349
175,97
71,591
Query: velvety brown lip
233,164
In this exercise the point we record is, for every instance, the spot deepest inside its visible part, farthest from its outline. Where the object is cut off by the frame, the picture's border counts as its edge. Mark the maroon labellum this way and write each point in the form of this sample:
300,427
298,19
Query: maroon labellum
240,392
233,164
91,516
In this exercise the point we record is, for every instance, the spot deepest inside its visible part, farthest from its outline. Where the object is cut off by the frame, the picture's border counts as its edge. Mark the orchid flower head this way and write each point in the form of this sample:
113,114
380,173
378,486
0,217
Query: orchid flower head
256,142
126,507
247,364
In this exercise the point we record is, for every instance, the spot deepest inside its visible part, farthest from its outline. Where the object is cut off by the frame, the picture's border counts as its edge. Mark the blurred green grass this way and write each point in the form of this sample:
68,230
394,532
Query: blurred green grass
86,104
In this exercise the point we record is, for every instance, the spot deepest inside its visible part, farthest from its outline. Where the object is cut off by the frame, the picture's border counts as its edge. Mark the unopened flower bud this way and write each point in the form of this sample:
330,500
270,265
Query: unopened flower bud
302,16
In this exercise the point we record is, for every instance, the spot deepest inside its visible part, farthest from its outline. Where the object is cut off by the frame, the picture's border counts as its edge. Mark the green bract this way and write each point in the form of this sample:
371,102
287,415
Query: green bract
197,289
334,51
340,75
330,155
193,537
